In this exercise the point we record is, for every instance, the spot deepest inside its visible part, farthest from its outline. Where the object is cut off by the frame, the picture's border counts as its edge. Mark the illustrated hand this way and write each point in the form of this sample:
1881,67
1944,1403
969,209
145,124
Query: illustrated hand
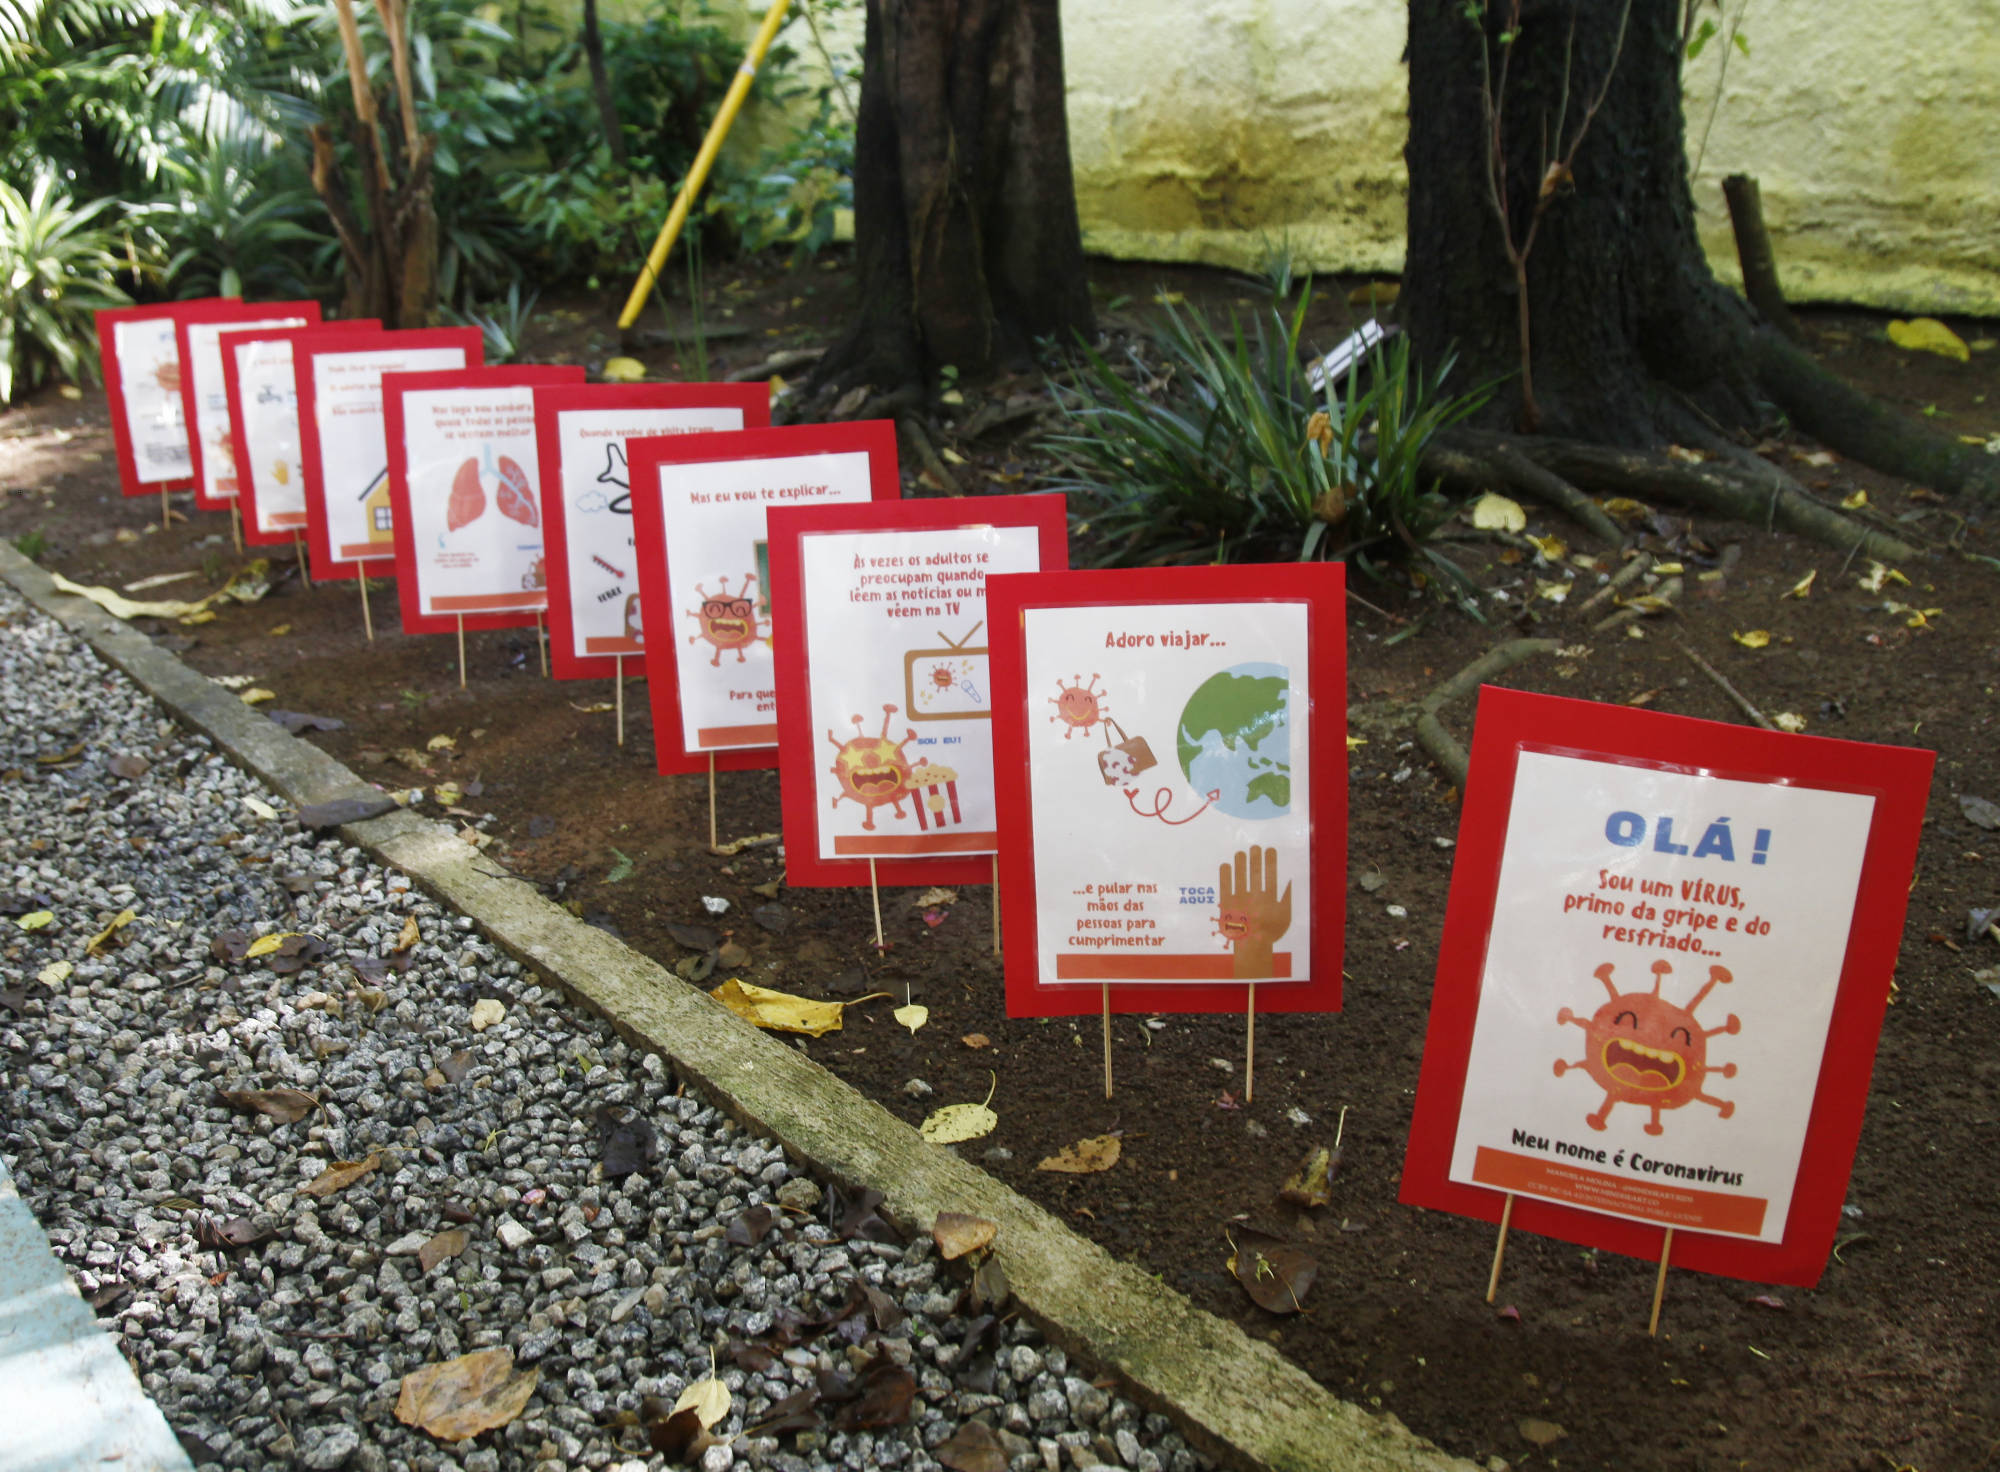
1254,915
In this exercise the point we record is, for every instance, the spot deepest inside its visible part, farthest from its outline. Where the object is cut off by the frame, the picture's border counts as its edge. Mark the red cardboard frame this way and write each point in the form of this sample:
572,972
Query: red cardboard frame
753,399
114,391
799,754
1510,721
409,590
232,378
325,342
226,309
1320,585
645,457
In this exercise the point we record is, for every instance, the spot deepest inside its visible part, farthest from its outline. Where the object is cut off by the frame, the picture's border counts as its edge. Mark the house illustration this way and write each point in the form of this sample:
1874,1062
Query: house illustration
375,506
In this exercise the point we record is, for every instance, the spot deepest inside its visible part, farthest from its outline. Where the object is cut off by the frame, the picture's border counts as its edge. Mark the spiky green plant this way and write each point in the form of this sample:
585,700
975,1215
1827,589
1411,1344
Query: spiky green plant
57,268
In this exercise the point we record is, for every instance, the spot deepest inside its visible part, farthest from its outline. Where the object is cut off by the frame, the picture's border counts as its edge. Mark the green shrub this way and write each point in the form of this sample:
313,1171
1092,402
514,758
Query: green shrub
234,225
58,265
503,324
792,194
1208,445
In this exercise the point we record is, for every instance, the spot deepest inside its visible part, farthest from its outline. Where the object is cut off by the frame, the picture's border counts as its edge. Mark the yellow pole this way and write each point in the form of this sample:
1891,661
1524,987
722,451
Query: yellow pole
732,103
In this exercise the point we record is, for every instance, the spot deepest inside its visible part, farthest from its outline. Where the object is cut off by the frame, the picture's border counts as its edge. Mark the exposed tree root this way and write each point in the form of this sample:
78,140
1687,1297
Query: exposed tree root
1477,466
1440,744
1736,697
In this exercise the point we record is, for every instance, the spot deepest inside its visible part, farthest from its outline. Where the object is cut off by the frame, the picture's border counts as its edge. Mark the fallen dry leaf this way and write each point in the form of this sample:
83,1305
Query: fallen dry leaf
781,1011
460,1398
123,919
708,1398
1085,1157
957,1234
677,1435
959,1122
340,1175
1496,513
931,898
36,920
443,1247
410,935
1854,502
1928,335
263,945
1753,639
972,1448
976,1040
912,1016
1312,1183
1275,1274
286,1106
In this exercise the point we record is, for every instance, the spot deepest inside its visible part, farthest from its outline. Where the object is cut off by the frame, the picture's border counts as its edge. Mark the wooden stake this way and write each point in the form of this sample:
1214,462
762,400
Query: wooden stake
461,651
542,647
1250,1047
1660,1284
1107,1040
367,618
618,680
166,509
236,527
875,897
305,572
711,817
1500,1247
996,904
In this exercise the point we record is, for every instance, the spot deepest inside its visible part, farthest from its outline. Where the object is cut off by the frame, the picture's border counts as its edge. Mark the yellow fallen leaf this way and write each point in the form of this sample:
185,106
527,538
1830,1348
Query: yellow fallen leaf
278,631
410,935
258,696
624,370
1553,548
1754,639
199,616
1354,742
441,743
1170,298
912,1016
934,897
1817,459
340,1175
1626,509
956,1234
1685,455
261,808
595,708
1928,335
447,794
1085,1157
1803,587
951,456
119,606
124,918
461,1398
1493,512
36,920
55,973
1879,576
1555,592
1786,720
263,945
708,1398
781,1011
958,1122
1854,502
1669,569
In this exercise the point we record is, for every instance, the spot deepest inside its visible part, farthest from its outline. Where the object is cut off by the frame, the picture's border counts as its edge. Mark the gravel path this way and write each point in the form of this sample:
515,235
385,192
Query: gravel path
292,1350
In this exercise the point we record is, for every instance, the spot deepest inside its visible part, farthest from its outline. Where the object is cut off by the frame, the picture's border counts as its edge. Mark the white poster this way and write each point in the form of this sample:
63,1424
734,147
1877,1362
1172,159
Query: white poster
149,375
1665,952
475,514
896,644
1167,759
270,400
211,400
353,448
717,563
597,516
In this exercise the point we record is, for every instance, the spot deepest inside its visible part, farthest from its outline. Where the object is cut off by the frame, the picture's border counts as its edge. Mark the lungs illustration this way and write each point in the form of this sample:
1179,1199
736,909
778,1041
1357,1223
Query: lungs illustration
516,498
468,498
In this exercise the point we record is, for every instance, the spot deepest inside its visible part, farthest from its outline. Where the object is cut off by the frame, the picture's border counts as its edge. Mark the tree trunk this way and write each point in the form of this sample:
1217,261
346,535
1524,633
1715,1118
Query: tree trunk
1633,341
966,237
600,84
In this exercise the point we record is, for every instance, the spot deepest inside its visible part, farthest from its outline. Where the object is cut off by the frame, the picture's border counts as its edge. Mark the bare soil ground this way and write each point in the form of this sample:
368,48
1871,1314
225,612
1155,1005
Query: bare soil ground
1891,1362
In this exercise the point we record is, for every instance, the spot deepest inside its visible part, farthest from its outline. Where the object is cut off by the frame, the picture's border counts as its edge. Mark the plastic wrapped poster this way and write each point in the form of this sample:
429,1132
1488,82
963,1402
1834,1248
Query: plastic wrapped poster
1665,959
698,518
463,492
1171,771
204,394
142,382
594,621
344,446
885,694
264,427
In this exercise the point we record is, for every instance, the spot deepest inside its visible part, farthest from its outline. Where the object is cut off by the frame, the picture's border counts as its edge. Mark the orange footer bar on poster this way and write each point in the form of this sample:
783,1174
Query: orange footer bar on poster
364,552
1156,967
597,644
707,736
489,603
1596,1190
861,846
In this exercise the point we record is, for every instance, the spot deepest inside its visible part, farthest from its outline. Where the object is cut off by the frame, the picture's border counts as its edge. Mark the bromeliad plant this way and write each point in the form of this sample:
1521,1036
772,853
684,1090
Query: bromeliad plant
58,265
1212,445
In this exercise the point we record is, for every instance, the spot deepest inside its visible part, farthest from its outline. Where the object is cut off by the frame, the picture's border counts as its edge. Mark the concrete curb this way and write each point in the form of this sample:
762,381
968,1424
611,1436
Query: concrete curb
1234,1397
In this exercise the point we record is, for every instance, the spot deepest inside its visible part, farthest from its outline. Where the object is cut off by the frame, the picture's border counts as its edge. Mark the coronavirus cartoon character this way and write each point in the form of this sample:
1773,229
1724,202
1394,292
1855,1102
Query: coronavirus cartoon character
1642,1049
728,621
872,770
1079,706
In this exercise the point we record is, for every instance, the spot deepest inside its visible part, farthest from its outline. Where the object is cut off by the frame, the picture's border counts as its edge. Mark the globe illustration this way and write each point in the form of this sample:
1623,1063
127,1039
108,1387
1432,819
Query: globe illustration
1235,739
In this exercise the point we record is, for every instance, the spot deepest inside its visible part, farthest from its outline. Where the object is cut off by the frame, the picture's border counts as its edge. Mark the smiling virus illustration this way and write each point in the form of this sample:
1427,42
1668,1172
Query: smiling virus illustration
728,621
872,770
1079,707
1642,1049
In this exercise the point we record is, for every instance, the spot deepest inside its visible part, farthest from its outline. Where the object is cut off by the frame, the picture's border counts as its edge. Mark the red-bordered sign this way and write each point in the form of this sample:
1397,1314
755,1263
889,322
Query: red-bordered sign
463,463
205,395
1708,915
142,384
344,441
885,695
264,427
1170,761
698,517
594,621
